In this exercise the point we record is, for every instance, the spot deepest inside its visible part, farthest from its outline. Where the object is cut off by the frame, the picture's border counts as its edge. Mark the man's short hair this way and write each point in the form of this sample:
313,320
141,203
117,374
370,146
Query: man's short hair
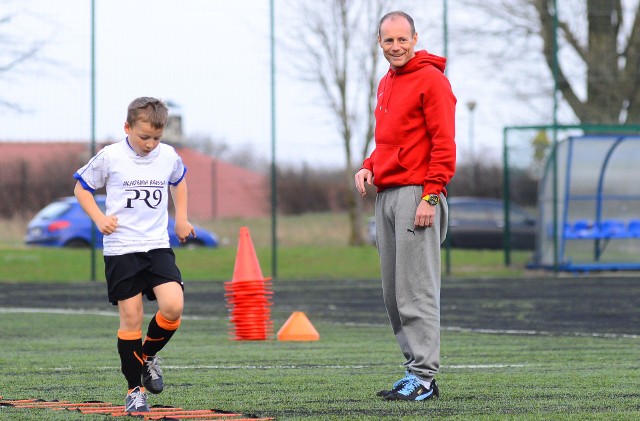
398,14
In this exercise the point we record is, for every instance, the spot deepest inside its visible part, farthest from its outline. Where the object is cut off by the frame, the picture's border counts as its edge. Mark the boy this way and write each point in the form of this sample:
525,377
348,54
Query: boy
138,260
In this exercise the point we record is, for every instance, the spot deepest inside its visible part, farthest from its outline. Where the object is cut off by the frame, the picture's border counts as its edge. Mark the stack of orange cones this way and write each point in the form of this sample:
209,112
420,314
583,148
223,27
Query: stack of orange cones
248,295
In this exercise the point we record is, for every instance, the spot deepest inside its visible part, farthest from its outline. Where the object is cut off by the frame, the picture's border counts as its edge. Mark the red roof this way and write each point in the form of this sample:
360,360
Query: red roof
217,189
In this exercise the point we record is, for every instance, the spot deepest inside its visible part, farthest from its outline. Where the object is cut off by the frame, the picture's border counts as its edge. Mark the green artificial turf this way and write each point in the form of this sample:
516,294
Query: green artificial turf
483,376
40,264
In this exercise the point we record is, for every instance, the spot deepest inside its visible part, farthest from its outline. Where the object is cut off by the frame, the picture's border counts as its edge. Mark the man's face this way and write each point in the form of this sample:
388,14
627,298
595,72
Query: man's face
396,41
143,138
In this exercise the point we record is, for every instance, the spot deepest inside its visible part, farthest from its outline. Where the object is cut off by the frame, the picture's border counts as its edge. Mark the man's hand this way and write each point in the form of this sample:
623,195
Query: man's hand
107,224
425,215
183,230
362,176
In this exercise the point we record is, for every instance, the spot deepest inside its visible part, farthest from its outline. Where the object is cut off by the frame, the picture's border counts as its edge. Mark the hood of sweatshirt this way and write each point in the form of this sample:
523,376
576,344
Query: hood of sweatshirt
420,60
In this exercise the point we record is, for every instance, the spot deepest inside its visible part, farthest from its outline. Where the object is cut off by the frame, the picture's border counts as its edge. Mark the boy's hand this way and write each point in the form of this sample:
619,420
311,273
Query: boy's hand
107,224
183,230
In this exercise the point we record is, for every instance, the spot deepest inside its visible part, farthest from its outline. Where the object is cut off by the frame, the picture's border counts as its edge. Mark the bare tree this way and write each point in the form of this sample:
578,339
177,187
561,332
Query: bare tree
598,67
16,51
336,50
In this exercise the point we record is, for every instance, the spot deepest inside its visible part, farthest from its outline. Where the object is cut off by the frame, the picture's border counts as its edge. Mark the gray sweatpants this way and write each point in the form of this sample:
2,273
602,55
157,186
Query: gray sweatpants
410,271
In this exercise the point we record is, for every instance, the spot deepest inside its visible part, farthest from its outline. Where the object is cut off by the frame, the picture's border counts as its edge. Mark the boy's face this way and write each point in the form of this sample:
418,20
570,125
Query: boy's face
143,138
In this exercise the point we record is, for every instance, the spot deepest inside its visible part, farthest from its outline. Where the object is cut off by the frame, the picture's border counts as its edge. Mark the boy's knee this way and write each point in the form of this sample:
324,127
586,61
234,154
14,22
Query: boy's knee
172,313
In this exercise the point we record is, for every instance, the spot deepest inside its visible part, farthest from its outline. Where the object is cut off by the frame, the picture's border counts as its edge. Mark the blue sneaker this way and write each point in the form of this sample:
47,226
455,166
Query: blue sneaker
414,390
397,385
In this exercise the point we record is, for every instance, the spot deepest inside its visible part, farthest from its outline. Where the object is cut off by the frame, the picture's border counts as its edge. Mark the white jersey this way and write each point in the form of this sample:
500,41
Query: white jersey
137,193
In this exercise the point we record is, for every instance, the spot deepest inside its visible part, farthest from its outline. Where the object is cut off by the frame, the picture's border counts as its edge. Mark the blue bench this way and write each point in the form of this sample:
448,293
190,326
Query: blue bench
606,229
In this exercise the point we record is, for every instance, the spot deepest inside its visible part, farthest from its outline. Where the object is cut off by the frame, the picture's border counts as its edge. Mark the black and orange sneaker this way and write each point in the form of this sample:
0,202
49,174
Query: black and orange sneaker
414,390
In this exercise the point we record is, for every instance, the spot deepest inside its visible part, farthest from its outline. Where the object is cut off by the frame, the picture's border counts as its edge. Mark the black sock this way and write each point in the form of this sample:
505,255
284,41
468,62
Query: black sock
159,332
130,350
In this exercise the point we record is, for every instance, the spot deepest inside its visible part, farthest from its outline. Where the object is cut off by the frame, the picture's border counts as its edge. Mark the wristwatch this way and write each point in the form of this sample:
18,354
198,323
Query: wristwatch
432,199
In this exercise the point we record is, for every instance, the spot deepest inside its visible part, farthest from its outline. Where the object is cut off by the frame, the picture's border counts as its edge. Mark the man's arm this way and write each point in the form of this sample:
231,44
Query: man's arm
439,107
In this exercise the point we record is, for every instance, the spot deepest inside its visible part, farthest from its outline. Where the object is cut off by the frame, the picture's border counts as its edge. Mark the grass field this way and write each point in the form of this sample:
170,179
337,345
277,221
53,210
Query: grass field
567,355
515,344
483,376
294,262
312,246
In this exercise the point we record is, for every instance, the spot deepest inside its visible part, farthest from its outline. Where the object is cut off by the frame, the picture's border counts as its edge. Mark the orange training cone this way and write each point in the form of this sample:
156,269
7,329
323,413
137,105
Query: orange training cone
247,267
298,328
248,295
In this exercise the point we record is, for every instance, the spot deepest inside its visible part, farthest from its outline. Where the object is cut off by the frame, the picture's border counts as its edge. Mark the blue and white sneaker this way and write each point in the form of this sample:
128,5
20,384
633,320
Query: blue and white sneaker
414,390
397,385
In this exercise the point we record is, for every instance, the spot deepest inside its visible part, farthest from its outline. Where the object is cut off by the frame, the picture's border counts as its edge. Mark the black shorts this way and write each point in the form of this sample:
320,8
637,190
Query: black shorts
131,274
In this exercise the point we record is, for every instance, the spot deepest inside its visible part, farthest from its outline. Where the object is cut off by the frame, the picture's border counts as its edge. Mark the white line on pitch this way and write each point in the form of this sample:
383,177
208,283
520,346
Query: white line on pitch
229,367
446,328
84,312
295,367
540,333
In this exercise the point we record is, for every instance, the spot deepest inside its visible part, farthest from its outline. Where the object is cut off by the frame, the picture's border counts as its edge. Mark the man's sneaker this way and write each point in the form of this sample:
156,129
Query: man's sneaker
136,401
414,390
397,385
152,375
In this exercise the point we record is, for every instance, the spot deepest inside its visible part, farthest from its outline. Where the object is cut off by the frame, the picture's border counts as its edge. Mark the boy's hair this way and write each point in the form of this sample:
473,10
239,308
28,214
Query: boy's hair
398,14
148,109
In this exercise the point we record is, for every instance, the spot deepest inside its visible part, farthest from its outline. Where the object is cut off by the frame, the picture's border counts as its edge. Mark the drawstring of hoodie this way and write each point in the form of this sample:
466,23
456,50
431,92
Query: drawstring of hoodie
386,94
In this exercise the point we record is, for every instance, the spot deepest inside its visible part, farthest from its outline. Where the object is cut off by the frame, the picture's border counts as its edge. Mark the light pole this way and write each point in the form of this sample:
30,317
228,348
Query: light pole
274,190
93,125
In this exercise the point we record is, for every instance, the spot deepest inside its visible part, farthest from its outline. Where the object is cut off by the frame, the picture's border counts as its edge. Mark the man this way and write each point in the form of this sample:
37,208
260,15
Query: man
413,160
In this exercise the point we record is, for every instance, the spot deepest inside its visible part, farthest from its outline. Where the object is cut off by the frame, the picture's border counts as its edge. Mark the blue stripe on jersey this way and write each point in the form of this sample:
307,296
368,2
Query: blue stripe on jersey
83,183
181,177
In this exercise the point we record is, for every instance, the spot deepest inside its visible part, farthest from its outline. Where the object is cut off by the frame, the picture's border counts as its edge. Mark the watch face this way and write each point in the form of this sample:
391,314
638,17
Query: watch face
433,200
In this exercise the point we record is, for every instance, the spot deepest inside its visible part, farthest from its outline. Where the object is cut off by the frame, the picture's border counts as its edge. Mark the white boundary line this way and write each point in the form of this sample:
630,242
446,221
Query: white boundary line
83,312
541,333
298,367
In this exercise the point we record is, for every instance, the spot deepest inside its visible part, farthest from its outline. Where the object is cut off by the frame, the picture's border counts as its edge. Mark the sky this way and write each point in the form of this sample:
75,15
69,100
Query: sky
212,59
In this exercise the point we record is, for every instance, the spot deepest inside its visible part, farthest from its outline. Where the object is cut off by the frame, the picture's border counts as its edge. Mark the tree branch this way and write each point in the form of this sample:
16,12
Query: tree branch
547,31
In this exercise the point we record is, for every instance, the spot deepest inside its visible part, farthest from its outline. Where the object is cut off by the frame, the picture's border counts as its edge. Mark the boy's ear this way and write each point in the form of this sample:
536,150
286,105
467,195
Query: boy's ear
127,128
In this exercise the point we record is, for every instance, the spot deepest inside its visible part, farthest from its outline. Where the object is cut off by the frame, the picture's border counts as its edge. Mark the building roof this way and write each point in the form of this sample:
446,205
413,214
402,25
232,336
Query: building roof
217,189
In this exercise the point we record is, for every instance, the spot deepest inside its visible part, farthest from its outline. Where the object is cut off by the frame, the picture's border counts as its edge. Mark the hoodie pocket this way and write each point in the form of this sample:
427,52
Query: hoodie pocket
387,168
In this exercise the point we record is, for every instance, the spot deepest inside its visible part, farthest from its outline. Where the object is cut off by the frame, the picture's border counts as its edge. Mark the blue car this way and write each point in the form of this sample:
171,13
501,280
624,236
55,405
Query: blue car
63,223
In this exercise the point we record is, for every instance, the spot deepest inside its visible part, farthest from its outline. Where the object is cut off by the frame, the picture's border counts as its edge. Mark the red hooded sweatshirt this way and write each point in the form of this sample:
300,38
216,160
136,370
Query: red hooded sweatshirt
415,127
